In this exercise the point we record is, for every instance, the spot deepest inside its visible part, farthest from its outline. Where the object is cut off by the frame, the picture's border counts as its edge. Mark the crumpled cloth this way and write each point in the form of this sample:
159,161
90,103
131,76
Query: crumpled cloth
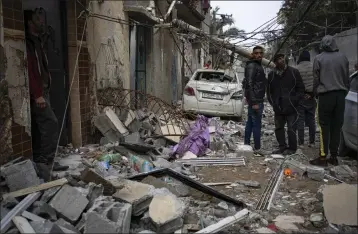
198,139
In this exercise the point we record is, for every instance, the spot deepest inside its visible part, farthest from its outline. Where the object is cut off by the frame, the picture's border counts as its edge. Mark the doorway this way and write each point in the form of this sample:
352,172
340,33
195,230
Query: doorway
55,11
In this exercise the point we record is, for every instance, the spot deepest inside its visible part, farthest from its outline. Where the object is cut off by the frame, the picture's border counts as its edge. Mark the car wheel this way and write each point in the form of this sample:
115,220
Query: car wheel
343,149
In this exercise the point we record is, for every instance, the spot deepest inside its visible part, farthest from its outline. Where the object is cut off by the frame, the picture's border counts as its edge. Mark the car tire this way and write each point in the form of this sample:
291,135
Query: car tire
343,150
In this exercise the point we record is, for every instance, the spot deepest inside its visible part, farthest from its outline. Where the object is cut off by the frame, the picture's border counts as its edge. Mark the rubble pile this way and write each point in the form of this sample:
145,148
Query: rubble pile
150,174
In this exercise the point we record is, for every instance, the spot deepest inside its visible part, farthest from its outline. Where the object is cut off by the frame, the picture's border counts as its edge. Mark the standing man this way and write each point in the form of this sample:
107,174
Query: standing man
254,85
45,126
307,108
331,84
285,91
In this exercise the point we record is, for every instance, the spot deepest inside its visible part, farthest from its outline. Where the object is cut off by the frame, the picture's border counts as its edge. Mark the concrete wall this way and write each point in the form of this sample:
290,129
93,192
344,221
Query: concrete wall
108,46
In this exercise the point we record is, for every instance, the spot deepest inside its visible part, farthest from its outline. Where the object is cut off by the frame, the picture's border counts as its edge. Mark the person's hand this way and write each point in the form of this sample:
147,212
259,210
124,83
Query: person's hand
255,107
40,102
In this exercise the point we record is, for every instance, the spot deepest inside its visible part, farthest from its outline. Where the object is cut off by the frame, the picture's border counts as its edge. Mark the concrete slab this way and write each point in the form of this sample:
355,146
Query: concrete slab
340,204
20,175
69,203
244,150
139,195
166,212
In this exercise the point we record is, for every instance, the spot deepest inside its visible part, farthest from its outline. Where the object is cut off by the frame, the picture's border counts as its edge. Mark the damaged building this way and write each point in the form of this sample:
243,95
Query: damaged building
95,48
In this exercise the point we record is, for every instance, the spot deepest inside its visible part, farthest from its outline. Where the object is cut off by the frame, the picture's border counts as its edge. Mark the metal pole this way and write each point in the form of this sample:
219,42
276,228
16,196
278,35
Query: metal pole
243,52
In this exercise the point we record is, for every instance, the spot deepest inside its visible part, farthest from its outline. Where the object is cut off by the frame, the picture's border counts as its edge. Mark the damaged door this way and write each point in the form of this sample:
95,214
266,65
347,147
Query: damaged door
55,20
140,77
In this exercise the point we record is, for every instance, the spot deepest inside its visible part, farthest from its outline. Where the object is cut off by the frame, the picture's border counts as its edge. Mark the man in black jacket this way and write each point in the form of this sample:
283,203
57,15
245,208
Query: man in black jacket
254,85
285,90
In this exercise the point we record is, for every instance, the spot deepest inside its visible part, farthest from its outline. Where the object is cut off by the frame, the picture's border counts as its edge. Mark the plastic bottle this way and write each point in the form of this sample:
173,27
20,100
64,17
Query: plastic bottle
146,167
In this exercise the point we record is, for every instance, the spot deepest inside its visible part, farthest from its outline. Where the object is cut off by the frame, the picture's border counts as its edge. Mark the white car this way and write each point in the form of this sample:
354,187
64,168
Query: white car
214,93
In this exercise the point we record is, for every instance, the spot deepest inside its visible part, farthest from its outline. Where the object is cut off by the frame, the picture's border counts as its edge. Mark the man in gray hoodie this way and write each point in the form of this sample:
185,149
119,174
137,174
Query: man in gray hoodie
331,85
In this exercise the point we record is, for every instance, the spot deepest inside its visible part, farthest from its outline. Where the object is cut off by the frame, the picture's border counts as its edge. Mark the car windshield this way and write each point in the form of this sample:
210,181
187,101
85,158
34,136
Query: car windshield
215,77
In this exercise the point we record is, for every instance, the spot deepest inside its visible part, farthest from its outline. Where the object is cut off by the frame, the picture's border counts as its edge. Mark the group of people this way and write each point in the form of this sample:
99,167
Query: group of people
295,93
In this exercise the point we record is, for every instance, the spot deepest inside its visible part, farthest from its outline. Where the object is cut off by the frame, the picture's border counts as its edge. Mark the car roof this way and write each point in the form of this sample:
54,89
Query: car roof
226,72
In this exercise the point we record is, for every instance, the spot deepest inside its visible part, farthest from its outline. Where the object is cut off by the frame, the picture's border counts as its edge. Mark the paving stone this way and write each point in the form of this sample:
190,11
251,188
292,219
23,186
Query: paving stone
69,203
20,175
114,214
166,212
139,195
49,193
44,210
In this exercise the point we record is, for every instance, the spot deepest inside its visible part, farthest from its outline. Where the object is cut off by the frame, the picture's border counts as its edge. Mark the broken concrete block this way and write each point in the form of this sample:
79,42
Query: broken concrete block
89,175
46,226
289,219
317,220
63,223
162,163
49,193
166,212
244,151
110,126
343,172
20,175
139,195
223,205
69,203
315,173
94,191
116,215
264,230
179,190
44,210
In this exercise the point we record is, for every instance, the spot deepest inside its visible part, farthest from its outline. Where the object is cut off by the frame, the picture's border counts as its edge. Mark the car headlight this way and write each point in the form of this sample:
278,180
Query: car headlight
237,95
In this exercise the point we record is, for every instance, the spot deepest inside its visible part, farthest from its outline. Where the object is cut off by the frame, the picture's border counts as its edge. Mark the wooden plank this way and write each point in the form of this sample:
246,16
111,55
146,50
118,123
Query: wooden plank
224,223
37,188
6,222
31,216
23,225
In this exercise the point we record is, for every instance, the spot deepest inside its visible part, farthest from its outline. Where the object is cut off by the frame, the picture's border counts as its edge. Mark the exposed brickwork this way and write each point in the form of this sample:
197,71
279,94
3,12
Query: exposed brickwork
21,141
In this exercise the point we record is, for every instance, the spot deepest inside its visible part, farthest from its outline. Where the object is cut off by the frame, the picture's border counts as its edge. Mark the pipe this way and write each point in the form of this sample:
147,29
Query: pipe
243,52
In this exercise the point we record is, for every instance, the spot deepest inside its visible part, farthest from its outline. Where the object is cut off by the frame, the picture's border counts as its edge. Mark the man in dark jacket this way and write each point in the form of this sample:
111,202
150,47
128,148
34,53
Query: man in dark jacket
44,127
284,92
254,85
331,85
307,109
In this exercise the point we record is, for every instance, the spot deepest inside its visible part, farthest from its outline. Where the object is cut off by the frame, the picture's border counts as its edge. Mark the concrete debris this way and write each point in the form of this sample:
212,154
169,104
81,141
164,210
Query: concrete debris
166,212
44,210
20,175
139,195
245,151
223,205
249,183
289,219
46,227
69,203
315,173
49,193
317,219
343,172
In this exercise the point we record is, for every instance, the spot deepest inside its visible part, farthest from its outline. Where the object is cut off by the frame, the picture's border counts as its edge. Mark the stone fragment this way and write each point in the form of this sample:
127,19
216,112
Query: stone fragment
69,203
49,193
146,232
286,226
133,138
20,175
139,195
315,173
319,194
317,220
115,216
3,212
296,167
308,204
89,175
166,212
179,190
223,205
162,163
245,151
44,210
249,183
343,172
264,230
